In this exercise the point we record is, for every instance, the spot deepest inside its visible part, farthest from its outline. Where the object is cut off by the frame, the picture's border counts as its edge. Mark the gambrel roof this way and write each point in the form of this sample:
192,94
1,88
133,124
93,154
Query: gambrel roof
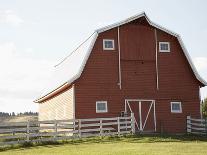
71,68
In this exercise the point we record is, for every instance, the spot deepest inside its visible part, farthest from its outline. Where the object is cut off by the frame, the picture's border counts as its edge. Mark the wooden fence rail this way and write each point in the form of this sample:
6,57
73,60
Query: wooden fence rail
53,130
196,126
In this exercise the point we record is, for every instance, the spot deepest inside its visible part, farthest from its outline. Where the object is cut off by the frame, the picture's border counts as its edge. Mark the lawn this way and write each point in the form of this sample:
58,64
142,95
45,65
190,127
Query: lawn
130,145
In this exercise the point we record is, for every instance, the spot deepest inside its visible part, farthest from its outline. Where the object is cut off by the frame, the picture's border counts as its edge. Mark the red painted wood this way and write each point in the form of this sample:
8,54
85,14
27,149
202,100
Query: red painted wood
99,79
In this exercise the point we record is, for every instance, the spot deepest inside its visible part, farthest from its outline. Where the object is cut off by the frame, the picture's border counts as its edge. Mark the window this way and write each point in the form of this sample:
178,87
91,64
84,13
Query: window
108,44
164,46
176,107
101,107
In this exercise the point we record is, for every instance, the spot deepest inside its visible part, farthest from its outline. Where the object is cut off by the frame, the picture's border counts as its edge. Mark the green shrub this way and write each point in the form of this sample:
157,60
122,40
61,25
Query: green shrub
204,108
27,144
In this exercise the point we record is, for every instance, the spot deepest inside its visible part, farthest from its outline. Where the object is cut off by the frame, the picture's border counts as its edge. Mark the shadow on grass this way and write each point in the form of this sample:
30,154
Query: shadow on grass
166,138
109,140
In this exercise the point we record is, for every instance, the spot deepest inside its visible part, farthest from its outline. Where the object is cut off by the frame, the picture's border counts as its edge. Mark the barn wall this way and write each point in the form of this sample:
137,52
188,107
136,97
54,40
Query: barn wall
99,80
59,107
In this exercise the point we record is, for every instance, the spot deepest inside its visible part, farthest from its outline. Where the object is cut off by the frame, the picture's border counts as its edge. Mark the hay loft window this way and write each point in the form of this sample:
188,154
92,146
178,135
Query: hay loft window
164,46
108,44
101,107
176,107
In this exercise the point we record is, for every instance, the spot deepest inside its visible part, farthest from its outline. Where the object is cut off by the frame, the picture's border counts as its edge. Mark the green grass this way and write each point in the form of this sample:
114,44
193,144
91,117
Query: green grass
130,145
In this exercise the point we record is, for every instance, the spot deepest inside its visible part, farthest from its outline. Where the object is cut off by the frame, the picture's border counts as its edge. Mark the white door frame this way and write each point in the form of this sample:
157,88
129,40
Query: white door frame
142,125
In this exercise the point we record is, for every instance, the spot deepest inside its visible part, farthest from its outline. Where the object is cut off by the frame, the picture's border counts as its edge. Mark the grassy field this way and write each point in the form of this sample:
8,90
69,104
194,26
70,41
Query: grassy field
18,119
136,145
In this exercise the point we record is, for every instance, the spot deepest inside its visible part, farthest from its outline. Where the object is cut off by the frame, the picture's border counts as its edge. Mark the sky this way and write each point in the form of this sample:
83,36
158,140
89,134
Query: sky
37,34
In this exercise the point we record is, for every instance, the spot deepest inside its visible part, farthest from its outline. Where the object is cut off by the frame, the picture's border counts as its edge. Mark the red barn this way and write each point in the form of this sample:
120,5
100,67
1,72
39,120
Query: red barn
131,66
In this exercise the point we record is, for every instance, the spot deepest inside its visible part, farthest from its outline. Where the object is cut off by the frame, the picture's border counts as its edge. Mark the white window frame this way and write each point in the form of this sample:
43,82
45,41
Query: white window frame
168,43
105,48
101,111
176,111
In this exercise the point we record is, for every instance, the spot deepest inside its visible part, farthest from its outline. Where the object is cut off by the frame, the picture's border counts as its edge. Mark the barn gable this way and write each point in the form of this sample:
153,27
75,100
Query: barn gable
71,68
199,78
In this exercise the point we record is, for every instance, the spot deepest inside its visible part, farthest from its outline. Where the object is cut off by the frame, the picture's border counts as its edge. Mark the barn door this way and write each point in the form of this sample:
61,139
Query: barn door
144,112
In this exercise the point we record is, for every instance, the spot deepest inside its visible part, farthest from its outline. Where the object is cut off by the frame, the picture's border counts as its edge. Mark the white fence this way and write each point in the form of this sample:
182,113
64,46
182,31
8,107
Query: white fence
196,126
53,130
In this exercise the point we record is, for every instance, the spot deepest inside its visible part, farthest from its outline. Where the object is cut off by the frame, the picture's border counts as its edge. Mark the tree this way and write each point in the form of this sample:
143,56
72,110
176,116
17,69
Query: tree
13,114
204,108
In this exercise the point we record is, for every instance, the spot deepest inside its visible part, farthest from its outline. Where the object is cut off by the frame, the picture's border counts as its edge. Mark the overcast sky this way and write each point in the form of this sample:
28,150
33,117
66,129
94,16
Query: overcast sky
36,34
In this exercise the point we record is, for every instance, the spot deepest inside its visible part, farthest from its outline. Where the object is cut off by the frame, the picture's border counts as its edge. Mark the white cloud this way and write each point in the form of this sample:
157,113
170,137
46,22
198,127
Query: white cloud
29,50
10,17
22,78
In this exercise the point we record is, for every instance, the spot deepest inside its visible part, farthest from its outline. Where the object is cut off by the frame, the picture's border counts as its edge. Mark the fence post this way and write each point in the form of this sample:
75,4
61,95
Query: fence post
28,131
101,128
188,124
74,126
55,128
79,128
118,123
205,125
132,123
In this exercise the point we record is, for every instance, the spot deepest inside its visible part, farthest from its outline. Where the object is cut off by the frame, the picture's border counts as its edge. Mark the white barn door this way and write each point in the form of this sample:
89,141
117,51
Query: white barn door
144,112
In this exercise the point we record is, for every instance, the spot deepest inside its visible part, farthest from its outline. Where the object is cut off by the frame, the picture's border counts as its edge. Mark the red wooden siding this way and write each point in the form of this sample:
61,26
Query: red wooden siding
99,79
135,43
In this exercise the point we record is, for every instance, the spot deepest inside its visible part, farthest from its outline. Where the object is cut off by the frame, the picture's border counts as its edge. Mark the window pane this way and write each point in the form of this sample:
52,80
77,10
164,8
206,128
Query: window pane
101,106
164,46
108,44
176,106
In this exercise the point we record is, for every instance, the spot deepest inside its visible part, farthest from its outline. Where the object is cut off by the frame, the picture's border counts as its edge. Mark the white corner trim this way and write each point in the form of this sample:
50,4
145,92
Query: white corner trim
119,50
73,101
101,111
157,69
176,111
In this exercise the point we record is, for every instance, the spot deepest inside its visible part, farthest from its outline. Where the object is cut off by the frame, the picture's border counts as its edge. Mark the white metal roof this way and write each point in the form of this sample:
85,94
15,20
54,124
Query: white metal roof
72,66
